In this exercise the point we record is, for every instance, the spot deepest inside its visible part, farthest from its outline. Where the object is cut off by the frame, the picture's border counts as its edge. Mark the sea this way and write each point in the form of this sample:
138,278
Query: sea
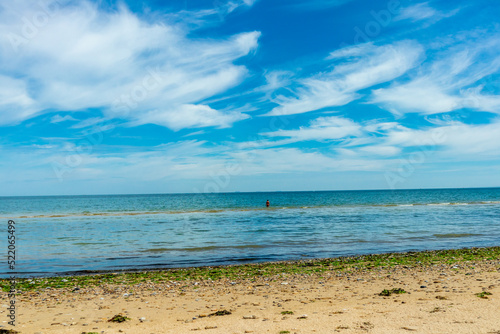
60,235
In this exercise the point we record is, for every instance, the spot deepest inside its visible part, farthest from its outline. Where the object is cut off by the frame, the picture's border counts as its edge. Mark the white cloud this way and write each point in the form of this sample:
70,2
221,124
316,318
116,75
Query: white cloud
456,139
276,80
352,51
323,128
249,2
416,12
15,102
385,145
288,160
351,140
85,57
60,119
422,95
313,95
381,150
89,122
190,116
230,6
389,139
187,162
195,133
454,80
422,11
375,65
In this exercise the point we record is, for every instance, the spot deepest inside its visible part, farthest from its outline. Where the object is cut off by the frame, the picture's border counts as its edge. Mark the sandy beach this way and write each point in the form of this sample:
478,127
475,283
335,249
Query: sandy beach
433,298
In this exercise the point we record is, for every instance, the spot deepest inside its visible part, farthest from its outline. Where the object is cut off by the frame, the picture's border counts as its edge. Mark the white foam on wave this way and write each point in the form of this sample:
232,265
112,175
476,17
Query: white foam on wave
490,202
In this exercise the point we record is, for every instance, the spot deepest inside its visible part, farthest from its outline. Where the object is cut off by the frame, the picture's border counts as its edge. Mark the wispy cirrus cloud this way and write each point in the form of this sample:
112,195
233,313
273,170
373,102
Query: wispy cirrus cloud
352,69
140,71
423,12
16,104
380,147
454,80
59,119
453,139
322,128
456,139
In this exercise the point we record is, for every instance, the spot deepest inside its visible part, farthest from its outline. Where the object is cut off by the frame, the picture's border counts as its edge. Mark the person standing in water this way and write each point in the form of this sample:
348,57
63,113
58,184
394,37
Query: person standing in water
267,203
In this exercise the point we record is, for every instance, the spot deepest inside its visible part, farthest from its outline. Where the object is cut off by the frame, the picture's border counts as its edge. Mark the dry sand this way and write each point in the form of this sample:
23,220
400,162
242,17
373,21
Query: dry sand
439,299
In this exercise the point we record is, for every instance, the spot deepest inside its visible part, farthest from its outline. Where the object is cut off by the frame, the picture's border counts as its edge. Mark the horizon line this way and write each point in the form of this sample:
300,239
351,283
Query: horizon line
246,192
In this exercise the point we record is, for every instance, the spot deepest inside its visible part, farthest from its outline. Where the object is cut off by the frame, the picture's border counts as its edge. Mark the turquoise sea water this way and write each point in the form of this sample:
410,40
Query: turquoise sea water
67,234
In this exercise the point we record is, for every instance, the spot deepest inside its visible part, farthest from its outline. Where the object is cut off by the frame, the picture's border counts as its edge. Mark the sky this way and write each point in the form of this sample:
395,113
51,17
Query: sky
191,96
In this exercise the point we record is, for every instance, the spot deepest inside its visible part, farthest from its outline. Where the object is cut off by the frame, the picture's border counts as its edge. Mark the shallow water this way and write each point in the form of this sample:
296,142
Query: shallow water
74,233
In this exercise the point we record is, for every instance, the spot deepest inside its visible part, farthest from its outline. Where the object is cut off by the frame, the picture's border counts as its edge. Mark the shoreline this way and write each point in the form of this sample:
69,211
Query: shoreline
424,292
286,266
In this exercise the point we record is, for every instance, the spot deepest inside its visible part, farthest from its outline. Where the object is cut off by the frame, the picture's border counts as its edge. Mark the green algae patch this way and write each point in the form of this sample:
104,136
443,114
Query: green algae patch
119,318
220,313
273,270
387,293
484,294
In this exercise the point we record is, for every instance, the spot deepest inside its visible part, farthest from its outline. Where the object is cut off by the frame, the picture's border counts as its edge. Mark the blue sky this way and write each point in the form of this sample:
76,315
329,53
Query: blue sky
248,95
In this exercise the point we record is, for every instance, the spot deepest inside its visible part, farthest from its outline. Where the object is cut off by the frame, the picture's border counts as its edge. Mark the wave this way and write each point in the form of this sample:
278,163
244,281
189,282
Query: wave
257,209
455,235
199,249
439,204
